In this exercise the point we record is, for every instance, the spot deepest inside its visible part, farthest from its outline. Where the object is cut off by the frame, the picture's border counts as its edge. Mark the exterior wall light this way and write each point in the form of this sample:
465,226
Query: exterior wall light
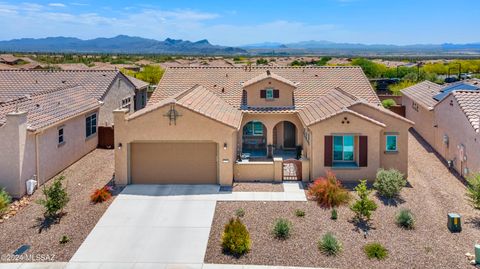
224,145
120,145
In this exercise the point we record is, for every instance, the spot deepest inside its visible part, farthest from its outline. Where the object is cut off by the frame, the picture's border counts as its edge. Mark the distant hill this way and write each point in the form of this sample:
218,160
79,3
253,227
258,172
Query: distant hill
118,44
333,48
139,45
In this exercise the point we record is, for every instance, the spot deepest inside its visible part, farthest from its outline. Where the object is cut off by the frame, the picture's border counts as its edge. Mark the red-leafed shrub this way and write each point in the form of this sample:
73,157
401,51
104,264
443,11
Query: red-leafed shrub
101,195
328,191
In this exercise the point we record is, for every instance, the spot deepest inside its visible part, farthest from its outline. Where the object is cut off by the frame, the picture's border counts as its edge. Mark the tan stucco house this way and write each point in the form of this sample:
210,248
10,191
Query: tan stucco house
447,117
50,119
222,124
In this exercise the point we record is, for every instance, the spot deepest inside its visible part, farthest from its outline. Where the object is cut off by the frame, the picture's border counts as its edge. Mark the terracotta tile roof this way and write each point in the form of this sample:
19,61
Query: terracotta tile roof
326,106
270,110
139,84
200,100
79,66
423,93
226,82
9,58
19,83
50,107
469,102
265,75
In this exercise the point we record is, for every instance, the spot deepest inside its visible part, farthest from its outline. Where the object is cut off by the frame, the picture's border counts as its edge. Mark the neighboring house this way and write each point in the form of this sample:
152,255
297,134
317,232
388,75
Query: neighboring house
447,117
222,124
10,59
50,119
140,99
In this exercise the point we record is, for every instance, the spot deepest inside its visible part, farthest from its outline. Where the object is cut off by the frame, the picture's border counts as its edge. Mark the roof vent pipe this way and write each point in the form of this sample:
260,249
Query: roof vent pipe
268,72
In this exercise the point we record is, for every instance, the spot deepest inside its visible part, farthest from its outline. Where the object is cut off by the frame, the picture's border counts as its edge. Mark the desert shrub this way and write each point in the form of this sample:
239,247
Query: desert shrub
235,238
473,190
334,215
299,213
282,228
240,212
388,103
375,250
101,195
5,201
65,239
389,183
56,198
363,206
328,191
405,219
329,244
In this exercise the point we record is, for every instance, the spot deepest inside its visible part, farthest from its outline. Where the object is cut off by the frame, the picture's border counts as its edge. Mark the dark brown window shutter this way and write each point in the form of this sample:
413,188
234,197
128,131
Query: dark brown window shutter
328,158
363,154
276,94
263,94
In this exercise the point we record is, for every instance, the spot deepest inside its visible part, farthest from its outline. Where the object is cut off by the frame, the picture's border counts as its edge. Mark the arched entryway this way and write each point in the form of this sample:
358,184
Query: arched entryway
285,139
254,139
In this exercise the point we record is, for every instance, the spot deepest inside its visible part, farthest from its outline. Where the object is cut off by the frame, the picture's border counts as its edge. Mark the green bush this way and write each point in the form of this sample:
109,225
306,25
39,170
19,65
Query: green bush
405,219
329,244
473,190
240,212
334,214
235,238
363,207
56,198
5,201
389,183
375,250
388,103
65,239
282,228
299,213
328,191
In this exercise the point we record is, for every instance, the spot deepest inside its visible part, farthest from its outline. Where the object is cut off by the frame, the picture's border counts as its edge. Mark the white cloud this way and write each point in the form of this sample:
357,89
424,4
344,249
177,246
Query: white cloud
57,5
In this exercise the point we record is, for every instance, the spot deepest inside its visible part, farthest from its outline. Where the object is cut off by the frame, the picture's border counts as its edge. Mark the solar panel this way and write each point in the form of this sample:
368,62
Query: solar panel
457,87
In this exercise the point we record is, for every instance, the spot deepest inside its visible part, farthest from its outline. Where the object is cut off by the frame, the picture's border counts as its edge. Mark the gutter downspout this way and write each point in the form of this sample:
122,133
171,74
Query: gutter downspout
37,159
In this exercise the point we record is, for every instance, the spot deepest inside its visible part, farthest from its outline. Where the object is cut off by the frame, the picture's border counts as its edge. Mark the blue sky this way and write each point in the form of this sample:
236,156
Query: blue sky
242,22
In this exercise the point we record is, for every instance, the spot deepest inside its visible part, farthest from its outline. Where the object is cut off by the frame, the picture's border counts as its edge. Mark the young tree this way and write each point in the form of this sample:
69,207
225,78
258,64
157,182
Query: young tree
473,190
364,206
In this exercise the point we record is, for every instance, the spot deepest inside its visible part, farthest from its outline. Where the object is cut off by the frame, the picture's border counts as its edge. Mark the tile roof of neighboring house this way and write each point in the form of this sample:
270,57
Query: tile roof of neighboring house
9,58
326,106
6,67
423,93
266,75
469,102
139,84
79,66
226,82
200,100
19,83
49,107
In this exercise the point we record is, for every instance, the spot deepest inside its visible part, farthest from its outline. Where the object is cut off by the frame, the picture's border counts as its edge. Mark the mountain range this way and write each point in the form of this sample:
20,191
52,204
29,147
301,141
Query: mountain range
139,45
118,44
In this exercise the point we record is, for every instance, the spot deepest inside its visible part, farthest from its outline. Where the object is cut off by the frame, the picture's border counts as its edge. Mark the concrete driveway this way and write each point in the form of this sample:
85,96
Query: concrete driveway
145,225
162,226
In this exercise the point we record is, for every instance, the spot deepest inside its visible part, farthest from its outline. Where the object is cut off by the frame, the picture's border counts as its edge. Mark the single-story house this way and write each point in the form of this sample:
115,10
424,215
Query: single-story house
50,119
217,125
447,117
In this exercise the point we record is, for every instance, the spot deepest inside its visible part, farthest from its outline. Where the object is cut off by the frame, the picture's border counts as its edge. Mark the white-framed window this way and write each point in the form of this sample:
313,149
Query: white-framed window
343,148
269,94
91,125
391,143
61,135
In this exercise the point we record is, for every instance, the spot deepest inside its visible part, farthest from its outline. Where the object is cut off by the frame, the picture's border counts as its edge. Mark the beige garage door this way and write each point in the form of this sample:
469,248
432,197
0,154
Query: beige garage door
173,163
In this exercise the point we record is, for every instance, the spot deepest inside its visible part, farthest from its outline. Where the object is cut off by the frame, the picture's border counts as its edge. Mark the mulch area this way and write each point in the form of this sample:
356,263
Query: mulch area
26,227
257,187
433,193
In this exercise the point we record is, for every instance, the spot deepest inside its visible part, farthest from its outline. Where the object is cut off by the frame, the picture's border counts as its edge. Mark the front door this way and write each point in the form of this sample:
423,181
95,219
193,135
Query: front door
289,135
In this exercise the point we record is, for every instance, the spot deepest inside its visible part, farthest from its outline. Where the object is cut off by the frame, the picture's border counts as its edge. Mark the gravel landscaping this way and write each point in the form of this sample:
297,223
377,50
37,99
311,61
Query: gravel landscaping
257,187
91,172
432,193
